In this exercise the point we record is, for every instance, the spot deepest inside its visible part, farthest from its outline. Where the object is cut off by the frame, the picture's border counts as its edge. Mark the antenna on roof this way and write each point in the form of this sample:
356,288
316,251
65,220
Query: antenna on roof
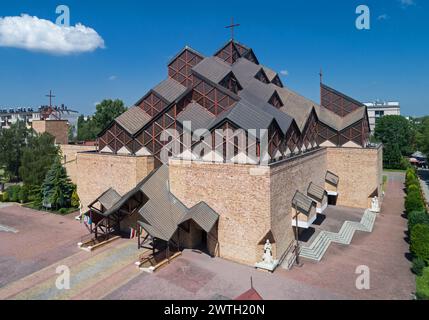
321,75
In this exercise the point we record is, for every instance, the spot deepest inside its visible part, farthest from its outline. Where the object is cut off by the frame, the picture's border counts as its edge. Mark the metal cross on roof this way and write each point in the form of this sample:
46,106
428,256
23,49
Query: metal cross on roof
232,26
50,96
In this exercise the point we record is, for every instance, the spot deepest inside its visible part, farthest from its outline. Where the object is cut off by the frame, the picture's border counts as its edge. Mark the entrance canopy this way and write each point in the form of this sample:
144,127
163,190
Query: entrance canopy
316,192
163,212
332,178
106,200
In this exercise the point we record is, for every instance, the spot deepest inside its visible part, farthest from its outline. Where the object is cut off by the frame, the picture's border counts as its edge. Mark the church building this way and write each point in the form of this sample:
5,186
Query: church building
222,156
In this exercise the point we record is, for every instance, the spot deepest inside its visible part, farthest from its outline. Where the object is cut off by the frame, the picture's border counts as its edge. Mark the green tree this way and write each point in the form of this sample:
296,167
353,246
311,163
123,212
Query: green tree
37,158
395,130
392,158
86,129
12,142
107,111
57,188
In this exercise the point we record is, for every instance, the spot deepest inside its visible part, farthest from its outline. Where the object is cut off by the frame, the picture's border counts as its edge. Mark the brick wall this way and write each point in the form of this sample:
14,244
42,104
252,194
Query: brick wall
57,128
360,172
286,178
240,198
69,160
97,172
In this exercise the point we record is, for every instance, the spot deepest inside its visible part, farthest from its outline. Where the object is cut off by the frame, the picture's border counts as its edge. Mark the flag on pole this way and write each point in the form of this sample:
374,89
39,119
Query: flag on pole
132,233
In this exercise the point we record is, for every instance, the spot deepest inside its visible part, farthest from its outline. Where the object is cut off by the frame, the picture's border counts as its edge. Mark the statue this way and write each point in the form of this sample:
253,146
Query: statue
268,262
375,205
267,257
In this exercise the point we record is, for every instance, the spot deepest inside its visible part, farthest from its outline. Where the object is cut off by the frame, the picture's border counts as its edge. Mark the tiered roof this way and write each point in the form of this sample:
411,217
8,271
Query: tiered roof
257,97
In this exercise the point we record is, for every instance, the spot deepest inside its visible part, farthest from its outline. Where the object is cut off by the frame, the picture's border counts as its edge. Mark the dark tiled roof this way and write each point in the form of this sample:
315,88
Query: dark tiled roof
332,178
245,116
316,192
163,212
170,89
302,203
133,119
283,120
108,198
295,105
271,74
203,215
336,122
245,71
199,116
213,69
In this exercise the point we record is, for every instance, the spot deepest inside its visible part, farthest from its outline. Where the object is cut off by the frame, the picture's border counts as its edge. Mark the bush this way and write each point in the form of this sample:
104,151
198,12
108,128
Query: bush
418,265
62,211
417,217
414,202
420,241
422,285
413,188
23,194
13,193
6,197
75,201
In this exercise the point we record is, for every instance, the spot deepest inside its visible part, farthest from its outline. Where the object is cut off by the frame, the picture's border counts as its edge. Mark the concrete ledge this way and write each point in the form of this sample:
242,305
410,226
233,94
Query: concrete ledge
152,269
92,248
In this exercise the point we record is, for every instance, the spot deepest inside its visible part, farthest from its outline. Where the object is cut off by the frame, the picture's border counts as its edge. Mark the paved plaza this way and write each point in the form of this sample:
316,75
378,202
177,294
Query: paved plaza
29,259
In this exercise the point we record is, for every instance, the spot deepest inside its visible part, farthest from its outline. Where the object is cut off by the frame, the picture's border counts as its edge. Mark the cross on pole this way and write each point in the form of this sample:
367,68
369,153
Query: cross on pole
232,26
50,96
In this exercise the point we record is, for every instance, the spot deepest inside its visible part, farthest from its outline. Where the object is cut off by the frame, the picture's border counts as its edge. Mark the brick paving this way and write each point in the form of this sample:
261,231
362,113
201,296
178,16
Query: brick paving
41,240
109,272
384,251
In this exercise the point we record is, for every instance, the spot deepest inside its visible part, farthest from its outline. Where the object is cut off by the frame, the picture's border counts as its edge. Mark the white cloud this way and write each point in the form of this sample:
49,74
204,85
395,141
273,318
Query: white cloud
113,78
34,34
407,3
383,17
284,72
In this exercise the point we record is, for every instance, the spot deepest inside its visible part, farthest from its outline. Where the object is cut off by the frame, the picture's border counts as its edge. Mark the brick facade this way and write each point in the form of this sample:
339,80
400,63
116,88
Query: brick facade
286,178
69,158
57,128
241,199
254,202
98,172
360,172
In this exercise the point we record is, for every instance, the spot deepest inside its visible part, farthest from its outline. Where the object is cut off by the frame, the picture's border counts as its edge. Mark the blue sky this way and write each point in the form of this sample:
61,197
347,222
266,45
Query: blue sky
388,62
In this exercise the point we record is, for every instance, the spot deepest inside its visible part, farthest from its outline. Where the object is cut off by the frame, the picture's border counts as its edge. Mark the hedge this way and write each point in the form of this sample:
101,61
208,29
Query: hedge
418,265
414,202
16,193
420,241
417,217
422,285
413,188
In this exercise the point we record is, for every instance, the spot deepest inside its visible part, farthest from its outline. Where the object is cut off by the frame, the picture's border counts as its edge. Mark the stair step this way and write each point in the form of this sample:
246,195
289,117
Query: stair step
317,249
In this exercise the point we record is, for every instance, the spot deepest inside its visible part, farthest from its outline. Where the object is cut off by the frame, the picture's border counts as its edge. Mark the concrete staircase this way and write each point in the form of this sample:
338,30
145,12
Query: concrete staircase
320,244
